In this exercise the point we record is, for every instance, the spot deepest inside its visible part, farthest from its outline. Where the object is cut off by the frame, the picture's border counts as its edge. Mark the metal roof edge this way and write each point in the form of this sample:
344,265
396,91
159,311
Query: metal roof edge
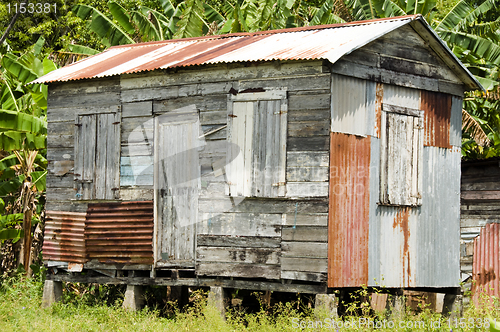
404,20
448,57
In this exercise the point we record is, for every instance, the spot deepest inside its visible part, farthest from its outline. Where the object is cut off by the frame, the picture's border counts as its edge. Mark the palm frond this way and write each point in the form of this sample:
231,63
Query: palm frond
473,127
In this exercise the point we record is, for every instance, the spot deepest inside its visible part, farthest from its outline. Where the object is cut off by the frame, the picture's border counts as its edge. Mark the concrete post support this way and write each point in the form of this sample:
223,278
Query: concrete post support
134,299
453,305
216,299
325,305
52,293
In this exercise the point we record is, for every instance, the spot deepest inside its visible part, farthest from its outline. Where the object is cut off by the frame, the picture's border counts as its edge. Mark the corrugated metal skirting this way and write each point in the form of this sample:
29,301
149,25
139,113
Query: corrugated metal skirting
64,237
485,267
117,232
120,232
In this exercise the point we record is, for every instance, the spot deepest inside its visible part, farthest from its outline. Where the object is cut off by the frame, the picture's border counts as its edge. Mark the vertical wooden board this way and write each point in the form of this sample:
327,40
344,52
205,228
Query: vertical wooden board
247,150
78,173
114,155
437,117
89,126
283,120
348,225
100,158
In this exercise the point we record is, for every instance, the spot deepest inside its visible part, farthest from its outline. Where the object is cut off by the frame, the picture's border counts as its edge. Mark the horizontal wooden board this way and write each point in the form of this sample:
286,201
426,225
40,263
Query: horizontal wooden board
294,83
305,234
305,276
317,143
213,117
240,224
136,194
309,115
110,98
318,265
308,159
136,149
238,255
309,101
221,73
237,241
306,174
216,148
69,112
241,270
307,189
308,129
480,195
61,127
304,249
472,186
139,92
66,205
60,141
59,181
144,108
317,219
345,67
201,103
98,85
60,194
257,205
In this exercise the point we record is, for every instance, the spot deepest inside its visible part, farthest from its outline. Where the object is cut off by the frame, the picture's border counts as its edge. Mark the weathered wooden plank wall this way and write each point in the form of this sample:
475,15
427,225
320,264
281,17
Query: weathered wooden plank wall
480,205
390,59
64,102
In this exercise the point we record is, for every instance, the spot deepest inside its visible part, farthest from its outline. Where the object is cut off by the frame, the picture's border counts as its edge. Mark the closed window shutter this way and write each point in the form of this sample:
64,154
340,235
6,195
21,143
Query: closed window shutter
401,156
256,153
97,156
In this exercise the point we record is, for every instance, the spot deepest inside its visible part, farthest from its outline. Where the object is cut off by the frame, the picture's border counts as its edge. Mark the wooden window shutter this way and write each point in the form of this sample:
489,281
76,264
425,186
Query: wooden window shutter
256,153
97,156
401,156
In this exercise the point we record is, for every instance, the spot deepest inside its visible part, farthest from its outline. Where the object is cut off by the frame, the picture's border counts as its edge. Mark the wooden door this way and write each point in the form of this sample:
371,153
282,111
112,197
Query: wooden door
177,181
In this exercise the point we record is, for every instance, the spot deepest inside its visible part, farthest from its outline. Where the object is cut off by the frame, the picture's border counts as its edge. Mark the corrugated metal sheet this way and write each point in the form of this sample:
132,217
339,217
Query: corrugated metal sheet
438,234
437,116
64,237
288,44
456,121
120,232
352,115
348,224
486,267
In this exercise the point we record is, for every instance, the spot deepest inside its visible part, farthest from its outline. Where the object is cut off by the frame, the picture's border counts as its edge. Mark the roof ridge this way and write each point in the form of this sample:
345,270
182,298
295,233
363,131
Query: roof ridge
270,32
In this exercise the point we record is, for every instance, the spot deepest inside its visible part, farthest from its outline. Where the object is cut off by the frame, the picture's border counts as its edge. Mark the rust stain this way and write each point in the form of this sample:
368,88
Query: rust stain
64,237
485,266
437,117
379,98
348,224
120,232
401,222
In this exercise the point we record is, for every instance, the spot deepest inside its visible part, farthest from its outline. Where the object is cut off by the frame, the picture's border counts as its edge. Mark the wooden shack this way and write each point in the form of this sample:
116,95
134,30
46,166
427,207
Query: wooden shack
300,160
479,226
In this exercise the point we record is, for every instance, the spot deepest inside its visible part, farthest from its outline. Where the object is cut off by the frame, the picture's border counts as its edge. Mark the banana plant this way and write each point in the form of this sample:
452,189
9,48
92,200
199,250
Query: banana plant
23,132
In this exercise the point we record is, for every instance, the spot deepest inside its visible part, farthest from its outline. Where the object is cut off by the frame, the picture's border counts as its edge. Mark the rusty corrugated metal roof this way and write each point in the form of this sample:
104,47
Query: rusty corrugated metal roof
329,42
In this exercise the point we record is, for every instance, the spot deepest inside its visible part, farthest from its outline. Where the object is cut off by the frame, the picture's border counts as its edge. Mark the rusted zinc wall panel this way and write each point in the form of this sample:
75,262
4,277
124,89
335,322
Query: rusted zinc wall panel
437,116
438,235
64,237
353,115
485,268
348,211
120,232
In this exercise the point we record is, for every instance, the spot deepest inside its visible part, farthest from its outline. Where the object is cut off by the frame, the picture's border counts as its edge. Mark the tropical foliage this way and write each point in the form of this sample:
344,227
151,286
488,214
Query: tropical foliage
23,131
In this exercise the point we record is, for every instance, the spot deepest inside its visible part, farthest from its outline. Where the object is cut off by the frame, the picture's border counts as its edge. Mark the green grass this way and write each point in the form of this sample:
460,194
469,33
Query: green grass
20,310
